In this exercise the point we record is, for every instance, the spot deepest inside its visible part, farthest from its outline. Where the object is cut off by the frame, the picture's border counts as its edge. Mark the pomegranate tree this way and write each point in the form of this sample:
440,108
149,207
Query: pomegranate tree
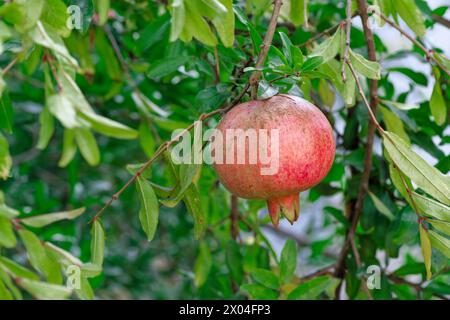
305,152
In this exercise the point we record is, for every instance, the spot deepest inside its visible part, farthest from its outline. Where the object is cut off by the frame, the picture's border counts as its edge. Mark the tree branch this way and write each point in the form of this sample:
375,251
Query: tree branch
441,20
348,28
9,66
373,124
254,79
428,53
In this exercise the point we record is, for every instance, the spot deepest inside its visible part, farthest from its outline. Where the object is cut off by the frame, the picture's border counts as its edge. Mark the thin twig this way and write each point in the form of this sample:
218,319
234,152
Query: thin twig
320,272
359,265
373,124
428,53
9,66
325,32
441,20
162,148
417,286
254,79
348,28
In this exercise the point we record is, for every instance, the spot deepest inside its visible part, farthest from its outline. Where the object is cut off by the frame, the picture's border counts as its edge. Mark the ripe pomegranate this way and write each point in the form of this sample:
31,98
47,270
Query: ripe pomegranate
306,152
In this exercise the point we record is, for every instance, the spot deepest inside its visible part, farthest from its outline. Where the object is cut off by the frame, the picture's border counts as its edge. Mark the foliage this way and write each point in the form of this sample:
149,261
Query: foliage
82,111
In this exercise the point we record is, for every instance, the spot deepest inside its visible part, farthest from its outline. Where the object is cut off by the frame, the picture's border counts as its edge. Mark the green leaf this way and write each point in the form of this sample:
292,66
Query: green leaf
437,105
97,243
88,146
16,270
85,292
203,265
103,11
5,158
399,180
4,292
196,26
224,23
259,292
326,94
412,16
38,257
410,163
430,207
381,207
417,77
7,237
8,212
426,249
187,173
265,90
297,57
6,109
400,106
105,50
193,204
439,242
40,221
442,226
149,212
312,63
46,129
23,14
394,124
62,108
369,69
49,39
178,18
69,148
45,291
266,277
54,13
349,90
108,127
233,259
298,12
146,139
312,289
329,48
90,270
286,46
63,257
288,261
163,67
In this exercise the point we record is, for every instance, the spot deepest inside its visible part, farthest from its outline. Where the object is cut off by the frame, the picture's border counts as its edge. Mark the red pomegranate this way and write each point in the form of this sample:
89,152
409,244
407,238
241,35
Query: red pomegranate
305,152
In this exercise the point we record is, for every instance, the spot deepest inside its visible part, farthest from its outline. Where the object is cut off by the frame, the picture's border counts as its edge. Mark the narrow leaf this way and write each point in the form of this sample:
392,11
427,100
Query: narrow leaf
46,219
426,249
149,212
425,176
97,243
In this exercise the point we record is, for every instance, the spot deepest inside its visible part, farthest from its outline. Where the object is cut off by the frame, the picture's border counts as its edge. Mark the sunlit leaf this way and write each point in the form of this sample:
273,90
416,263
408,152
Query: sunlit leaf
410,163
46,219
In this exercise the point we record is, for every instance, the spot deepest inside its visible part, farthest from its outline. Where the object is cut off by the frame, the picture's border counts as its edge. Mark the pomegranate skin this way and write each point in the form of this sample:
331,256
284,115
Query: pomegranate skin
306,152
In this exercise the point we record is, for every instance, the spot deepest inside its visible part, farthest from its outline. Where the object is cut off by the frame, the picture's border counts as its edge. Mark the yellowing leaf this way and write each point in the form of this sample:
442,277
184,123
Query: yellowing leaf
426,249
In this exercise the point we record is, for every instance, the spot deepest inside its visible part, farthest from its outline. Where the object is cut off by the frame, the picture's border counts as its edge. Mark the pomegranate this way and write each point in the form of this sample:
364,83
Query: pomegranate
305,152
